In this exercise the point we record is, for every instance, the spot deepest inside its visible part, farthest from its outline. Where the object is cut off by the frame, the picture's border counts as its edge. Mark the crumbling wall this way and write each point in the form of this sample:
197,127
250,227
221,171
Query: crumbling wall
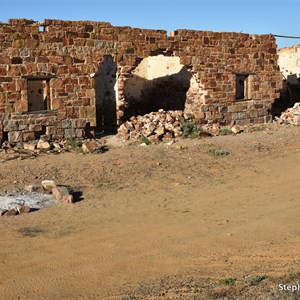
63,55
289,64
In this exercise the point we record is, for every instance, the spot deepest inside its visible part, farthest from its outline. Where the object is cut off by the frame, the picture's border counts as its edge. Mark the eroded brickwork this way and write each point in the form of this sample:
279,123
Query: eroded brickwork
62,55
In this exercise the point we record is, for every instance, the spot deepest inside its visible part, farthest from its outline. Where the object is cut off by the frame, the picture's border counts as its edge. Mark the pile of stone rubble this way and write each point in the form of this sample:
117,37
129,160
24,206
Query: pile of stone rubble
9,151
291,115
166,126
155,126
34,197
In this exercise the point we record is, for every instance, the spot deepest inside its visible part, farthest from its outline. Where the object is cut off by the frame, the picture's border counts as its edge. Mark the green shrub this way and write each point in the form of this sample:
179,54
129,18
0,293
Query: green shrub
31,231
216,152
227,281
255,280
73,143
190,130
225,131
145,140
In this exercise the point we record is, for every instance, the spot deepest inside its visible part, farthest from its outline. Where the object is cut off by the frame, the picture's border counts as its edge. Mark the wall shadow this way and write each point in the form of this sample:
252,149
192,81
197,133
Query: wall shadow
143,96
105,82
289,95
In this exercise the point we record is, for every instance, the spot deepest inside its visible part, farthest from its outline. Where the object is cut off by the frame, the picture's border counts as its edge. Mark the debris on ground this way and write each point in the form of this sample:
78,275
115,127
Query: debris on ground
32,149
168,126
153,127
290,115
34,197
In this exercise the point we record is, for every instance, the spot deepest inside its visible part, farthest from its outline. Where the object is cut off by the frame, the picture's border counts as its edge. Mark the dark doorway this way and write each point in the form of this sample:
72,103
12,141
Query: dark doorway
105,86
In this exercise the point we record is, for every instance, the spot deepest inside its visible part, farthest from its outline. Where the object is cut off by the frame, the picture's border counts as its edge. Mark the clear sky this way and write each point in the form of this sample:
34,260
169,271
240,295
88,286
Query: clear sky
249,16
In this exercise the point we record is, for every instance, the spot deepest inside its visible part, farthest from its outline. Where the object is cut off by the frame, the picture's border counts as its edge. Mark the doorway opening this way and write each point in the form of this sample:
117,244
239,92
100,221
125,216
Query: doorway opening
158,82
106,95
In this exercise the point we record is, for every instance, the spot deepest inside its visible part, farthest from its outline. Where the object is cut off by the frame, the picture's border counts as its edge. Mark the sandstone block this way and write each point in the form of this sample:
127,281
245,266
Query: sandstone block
15,136
11,212
47,185
88,112
28,146
23,209
61,193
28,136
43,145
32,188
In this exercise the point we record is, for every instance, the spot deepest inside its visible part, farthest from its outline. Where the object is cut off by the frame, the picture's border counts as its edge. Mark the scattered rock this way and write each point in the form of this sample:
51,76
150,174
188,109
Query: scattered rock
23,209
215,129
11,212
43,145
61,193
67,198
47,185
28,146
31,188
290,116
236,129
3,212
204,134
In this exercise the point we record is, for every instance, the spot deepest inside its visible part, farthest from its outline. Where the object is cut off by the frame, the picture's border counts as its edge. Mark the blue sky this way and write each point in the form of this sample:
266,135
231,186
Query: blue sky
255,16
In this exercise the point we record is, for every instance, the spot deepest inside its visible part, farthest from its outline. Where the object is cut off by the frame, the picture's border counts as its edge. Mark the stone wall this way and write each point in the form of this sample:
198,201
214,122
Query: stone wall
289,63
64,58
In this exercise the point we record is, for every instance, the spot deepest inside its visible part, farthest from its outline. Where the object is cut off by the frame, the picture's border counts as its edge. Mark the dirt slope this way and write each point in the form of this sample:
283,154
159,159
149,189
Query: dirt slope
158,222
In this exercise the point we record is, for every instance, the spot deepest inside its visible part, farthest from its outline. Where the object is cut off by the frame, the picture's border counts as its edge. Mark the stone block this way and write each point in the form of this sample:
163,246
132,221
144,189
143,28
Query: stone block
30,147
61,193
67,123
50,130
35,127
23,209
48,185
10,125
88,112
21,106
28,136
15,136
57,103
69,133
43,145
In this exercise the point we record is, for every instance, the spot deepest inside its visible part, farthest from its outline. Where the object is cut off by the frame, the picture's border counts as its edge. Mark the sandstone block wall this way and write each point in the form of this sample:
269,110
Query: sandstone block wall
62,55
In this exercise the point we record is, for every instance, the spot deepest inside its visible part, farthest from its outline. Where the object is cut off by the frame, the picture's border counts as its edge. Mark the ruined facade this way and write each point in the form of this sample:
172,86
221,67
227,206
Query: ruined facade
63,78
289,63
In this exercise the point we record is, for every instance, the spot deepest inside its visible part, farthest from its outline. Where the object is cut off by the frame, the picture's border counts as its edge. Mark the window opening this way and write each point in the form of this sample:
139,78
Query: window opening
38,94
243,87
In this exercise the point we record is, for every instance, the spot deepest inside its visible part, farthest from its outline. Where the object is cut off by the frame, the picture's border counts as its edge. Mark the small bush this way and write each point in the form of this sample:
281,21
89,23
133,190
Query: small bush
225,131
255,280
190,130
227,281
145,140
31,231
216,152
100,149
74,143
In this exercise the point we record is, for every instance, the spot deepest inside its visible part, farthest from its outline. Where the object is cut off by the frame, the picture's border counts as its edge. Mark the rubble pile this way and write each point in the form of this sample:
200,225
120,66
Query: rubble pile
155,126
33,148
291,115
168,125
34,197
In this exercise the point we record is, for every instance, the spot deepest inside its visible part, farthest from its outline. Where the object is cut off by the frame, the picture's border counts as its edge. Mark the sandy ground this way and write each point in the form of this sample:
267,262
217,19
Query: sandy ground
159,222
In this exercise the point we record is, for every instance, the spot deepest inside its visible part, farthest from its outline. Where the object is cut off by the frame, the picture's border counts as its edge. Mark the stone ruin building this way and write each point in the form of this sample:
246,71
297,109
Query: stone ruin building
289,63
65,79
